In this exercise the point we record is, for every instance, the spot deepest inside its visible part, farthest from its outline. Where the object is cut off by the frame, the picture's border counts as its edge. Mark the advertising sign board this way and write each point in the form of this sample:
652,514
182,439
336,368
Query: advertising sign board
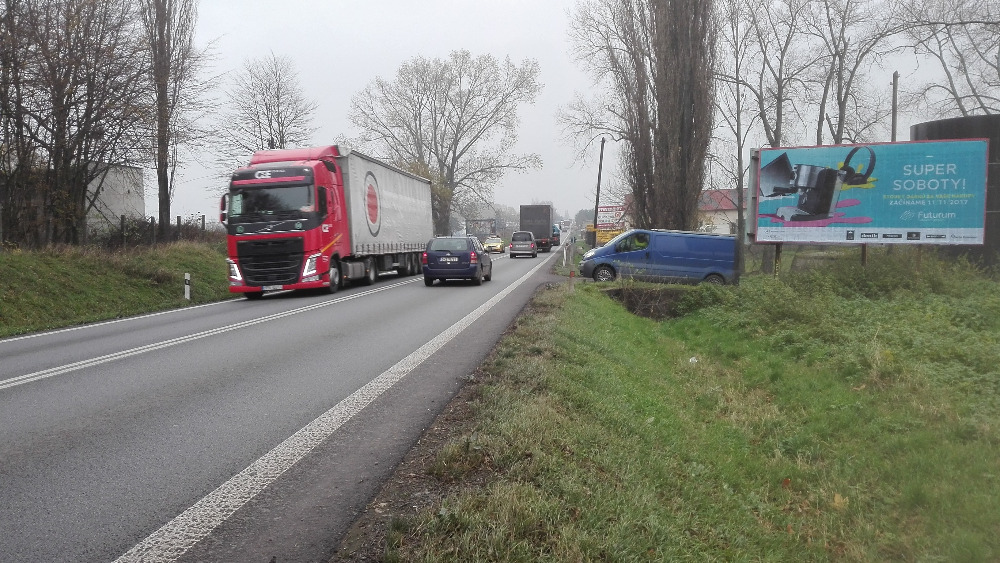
888,193
609,216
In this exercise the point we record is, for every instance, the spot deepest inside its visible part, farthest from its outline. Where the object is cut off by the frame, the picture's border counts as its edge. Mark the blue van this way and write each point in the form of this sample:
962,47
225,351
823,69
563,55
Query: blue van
663,256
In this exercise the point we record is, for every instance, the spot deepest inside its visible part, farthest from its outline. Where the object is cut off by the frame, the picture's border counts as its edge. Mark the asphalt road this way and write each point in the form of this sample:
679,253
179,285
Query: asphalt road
234,432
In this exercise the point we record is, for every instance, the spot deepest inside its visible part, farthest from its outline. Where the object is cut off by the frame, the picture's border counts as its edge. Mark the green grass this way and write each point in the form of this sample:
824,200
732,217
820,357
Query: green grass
846,413
67,286
843,413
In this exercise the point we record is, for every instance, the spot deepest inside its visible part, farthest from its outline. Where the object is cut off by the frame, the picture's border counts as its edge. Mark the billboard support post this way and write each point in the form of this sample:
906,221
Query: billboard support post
777,259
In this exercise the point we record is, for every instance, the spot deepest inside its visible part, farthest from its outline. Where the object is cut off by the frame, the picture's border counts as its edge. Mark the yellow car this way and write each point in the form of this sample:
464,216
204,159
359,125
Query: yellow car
494,244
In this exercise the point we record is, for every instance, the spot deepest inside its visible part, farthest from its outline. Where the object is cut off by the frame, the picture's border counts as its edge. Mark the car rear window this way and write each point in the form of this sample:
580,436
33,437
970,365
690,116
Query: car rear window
451,244
521,237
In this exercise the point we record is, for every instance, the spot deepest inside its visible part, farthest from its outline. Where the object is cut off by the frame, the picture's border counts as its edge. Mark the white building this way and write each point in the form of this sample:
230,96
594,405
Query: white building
121,193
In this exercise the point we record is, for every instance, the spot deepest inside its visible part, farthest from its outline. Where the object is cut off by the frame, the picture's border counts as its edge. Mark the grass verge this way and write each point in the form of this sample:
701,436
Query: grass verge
66,286
844,413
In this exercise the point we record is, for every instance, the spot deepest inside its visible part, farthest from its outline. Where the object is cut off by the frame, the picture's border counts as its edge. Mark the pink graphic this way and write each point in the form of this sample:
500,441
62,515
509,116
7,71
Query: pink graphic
373,205
838,217
371,199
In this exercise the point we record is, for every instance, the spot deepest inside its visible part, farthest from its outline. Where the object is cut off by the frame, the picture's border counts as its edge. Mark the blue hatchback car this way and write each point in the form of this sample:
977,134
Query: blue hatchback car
456,258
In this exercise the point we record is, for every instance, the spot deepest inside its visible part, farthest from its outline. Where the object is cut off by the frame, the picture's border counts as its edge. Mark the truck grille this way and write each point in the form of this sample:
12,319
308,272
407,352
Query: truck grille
271,261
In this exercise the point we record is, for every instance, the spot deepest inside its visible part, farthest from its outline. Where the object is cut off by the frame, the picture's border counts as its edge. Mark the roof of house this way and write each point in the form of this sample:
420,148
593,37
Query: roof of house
719,200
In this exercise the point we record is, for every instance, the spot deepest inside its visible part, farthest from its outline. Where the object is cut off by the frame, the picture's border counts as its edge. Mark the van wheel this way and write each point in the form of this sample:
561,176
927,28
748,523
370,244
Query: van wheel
715,279
604,274
253,295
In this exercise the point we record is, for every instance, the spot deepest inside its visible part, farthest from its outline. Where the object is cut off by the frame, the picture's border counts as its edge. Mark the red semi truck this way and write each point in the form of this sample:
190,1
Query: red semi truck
322,216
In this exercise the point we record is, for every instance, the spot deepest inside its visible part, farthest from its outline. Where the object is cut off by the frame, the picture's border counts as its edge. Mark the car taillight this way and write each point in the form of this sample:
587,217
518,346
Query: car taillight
473,259
423,258
532,245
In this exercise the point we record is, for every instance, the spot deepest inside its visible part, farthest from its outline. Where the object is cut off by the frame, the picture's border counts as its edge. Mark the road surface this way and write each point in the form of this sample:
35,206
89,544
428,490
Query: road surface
237,431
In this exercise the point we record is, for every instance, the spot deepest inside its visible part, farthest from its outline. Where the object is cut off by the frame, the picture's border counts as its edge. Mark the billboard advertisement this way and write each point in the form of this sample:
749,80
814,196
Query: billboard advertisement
609,216
889,193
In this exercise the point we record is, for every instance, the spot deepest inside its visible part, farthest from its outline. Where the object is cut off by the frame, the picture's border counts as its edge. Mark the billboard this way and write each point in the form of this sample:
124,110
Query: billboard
610,216
889,193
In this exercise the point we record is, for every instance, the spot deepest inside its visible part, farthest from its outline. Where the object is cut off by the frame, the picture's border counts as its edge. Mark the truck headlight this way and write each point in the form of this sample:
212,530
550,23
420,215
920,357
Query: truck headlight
309,269
234,271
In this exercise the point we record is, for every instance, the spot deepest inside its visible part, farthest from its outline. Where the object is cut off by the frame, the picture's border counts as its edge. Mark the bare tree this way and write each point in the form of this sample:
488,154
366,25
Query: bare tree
612,41
735,102
962,38
266,110
175,63
654,60
854,36
457,117
72,106
781,60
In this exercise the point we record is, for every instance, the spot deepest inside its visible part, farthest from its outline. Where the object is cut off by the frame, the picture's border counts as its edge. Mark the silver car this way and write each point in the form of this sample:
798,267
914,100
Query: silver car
523,243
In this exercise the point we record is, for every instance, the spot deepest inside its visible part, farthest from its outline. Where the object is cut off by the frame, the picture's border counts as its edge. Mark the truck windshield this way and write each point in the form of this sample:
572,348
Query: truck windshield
263,203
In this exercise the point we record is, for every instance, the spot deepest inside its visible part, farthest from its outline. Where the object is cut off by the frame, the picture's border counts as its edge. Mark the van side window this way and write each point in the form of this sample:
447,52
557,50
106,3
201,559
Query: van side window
638,241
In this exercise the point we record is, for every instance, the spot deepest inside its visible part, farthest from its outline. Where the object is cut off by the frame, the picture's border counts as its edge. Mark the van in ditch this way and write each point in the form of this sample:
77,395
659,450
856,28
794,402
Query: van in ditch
663,256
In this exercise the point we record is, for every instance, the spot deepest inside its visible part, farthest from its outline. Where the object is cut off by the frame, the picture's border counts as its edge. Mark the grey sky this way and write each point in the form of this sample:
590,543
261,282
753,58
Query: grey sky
339,47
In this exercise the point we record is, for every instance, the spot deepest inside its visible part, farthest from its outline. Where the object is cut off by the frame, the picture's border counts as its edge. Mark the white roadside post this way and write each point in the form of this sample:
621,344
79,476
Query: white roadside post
187,286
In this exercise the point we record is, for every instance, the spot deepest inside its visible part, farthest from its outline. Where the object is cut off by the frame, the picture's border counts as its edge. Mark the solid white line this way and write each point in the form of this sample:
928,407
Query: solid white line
172,540
60,370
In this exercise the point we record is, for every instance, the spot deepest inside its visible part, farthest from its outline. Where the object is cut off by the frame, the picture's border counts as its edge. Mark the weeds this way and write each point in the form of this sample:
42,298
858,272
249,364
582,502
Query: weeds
841,413
62,286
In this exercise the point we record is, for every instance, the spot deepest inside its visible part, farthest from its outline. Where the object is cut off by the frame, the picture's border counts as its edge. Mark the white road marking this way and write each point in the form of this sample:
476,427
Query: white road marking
172,540
60,370
93,325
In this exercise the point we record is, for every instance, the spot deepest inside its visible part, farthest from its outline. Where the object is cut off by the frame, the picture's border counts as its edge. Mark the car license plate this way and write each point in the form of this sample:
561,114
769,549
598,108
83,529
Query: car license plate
272,287
449,258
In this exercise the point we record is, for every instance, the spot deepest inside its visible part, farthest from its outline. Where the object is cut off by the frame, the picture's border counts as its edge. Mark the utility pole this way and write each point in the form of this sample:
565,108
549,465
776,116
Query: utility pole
597,200
895,95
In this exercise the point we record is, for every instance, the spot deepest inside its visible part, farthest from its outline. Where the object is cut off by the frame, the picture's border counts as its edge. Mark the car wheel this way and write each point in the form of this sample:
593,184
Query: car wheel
428,281
334,276
534,255
489,276
478,280
715,279
604,274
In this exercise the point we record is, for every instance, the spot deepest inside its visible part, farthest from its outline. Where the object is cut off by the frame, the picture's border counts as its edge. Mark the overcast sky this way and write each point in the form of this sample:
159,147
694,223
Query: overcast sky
339,47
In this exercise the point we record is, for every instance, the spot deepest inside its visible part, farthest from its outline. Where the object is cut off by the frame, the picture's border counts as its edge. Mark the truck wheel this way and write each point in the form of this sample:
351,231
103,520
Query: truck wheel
371,274
604,274
334,277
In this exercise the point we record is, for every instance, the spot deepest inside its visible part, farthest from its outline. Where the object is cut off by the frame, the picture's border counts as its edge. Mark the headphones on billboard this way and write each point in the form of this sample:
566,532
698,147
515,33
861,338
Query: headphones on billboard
852,176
